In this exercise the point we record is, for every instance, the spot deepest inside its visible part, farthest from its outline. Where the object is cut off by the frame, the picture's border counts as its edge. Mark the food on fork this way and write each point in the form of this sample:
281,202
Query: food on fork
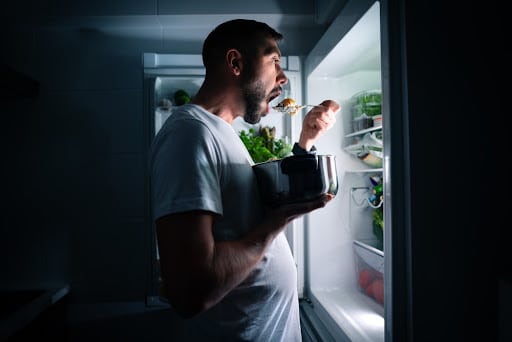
288,105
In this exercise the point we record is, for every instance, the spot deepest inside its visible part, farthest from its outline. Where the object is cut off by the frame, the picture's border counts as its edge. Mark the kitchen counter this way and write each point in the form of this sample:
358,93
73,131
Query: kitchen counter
20,308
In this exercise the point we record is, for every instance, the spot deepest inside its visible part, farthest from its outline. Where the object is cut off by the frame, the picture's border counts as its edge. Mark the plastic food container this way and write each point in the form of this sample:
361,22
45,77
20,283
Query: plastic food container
372,158
377,121
368,149
362,122
296,178
367,102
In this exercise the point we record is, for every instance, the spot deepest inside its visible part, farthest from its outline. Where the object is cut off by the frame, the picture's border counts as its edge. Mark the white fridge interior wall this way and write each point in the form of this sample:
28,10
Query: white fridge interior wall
351,66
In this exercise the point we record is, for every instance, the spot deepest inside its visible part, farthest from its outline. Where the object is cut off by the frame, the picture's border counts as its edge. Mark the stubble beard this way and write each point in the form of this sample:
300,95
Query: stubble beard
253,112
253,93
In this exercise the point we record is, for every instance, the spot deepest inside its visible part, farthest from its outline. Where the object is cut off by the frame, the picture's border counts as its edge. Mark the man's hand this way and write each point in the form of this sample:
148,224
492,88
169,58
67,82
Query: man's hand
319,119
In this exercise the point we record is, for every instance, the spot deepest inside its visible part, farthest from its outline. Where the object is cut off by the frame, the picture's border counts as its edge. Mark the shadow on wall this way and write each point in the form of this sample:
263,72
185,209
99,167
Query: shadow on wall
73,167
16,85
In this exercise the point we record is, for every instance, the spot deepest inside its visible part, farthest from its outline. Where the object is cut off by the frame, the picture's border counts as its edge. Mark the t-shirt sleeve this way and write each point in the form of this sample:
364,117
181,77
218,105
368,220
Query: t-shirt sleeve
185,171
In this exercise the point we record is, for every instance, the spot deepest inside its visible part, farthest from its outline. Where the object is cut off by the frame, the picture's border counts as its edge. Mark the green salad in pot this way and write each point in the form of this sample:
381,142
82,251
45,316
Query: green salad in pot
263,145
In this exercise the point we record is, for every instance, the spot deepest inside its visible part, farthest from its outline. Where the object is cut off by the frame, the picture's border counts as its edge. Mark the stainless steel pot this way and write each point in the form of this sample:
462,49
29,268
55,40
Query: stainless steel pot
296,178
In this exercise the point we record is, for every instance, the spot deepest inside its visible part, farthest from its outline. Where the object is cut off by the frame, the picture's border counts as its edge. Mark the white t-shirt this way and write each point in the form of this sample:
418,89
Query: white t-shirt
197,162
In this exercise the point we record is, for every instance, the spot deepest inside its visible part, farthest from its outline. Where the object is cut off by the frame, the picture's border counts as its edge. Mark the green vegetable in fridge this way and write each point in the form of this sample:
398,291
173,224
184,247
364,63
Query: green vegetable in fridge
181,97
378,223
367,102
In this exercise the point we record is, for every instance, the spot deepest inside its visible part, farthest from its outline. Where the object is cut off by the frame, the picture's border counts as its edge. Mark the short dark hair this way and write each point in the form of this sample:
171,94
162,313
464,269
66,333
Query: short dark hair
245,35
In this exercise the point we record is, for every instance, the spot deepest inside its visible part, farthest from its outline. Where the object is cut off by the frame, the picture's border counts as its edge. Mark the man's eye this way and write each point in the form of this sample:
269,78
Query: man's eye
277,60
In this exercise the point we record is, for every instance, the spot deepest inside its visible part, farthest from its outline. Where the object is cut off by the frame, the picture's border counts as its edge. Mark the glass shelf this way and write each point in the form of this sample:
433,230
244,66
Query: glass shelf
365,170
361,132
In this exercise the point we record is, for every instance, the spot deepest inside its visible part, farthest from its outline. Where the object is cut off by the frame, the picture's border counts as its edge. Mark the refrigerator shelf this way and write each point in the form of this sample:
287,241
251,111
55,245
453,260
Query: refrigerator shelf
369,251
363,131
378,170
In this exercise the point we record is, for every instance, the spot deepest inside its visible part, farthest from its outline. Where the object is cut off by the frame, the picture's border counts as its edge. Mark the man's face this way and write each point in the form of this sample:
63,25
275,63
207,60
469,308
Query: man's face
261,82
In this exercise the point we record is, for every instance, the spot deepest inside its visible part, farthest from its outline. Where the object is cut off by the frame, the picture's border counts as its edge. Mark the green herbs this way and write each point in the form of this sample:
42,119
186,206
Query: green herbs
263,146
376,201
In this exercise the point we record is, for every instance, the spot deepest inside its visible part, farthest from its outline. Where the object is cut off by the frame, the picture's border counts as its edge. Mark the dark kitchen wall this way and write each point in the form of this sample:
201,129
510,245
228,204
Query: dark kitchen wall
73,140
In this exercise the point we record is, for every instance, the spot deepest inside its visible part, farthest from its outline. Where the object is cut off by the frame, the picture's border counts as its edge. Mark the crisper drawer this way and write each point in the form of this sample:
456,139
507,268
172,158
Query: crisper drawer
369,267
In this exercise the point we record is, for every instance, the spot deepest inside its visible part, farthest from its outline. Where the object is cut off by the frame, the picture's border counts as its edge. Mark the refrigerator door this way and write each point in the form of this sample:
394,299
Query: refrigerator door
344,252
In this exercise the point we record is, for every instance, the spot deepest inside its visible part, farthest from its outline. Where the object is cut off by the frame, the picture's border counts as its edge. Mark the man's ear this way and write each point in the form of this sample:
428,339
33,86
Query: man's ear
234,61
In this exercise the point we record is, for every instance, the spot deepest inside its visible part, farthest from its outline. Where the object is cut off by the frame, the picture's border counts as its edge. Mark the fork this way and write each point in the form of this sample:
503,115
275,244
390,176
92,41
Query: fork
290,109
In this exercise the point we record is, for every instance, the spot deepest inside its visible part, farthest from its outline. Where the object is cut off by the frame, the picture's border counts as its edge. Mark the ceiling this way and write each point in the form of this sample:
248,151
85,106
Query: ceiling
181,23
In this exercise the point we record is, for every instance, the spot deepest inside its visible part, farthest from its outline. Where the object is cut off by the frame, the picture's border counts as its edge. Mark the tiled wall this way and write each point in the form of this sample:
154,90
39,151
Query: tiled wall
74,163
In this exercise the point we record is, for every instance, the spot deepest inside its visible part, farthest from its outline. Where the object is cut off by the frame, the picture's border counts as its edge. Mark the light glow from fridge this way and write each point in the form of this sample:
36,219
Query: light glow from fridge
359,317
334,277
350,54
371,319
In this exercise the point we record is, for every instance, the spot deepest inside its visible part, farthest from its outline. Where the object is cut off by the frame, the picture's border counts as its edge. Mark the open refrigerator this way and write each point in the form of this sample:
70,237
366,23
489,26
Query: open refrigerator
348,269
344,245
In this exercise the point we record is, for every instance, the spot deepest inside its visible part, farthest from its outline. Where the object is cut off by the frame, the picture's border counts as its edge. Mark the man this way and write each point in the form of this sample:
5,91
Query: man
226,265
